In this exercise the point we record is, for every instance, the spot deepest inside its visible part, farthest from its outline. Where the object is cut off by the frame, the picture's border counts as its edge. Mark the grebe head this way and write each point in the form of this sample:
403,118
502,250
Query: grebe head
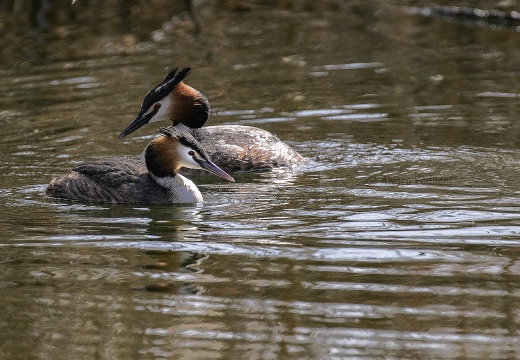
172,100
175,148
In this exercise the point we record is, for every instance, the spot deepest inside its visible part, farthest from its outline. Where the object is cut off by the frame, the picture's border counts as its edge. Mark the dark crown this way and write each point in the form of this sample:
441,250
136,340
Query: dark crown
165,87
184,138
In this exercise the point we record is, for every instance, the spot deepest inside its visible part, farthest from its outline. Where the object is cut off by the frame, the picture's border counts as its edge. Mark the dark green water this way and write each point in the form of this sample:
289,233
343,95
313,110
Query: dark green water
399,239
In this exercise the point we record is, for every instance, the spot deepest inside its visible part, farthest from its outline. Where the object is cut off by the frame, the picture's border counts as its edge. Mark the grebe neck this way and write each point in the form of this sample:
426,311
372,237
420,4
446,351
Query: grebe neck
179,188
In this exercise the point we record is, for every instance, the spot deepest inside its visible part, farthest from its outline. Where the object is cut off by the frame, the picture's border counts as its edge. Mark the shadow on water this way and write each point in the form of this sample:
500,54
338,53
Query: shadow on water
397,239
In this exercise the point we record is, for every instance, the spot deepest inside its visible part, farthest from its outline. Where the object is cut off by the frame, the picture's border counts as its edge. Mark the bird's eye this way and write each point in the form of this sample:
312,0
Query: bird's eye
191,153
157,106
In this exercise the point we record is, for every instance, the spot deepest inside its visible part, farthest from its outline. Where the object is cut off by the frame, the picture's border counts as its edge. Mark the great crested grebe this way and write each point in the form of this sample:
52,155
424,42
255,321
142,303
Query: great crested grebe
232,147
121,180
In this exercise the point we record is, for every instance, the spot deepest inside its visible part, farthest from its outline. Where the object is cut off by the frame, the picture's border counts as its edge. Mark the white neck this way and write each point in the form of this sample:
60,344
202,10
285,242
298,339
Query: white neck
180,189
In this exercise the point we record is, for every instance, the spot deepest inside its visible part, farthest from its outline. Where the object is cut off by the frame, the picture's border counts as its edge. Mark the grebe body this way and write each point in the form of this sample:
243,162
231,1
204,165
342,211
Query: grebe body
245,148
231,147
156,181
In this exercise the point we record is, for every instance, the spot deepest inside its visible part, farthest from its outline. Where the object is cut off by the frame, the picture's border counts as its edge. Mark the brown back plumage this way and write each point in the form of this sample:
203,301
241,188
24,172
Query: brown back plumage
116,180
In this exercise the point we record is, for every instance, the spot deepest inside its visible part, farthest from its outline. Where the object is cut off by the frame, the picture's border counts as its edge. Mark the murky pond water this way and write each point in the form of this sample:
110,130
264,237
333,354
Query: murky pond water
398,239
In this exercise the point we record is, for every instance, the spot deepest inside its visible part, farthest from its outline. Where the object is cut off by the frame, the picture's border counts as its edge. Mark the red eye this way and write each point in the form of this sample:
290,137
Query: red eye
157,106
191,153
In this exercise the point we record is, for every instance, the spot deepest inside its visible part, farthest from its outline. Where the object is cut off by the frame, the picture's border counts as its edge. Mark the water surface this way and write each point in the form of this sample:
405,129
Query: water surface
398,239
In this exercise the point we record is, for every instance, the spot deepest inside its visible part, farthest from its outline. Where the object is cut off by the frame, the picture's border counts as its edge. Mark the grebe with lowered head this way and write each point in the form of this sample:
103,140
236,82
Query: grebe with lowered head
121,180
232,147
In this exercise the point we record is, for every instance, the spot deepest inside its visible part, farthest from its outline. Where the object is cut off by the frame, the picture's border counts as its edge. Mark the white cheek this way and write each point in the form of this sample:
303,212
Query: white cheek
187,160
162,114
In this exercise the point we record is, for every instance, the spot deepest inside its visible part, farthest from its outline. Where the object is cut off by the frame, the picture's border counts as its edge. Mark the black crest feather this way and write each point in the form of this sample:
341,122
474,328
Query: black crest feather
173,79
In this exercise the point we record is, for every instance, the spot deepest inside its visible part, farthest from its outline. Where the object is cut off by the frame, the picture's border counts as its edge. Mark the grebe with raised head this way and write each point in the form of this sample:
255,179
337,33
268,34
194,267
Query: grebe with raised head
232,147
121,180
